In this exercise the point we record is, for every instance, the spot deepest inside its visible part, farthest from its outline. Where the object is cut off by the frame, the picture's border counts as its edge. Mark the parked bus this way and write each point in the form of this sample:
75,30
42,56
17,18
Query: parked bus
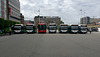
18,28
41,28
83,29
30,28
74,29
52,28
63,28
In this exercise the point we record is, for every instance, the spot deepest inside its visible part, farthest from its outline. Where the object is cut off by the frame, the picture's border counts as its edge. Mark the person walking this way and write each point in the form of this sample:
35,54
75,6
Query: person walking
10,30
90,30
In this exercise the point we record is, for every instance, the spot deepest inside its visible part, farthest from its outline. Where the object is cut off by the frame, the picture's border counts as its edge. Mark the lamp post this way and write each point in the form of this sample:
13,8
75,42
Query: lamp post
81,12
94,17
84,13
80,15
39,14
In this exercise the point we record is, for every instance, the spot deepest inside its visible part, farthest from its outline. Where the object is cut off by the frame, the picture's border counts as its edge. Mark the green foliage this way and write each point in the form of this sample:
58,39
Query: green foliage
6,30
62,22
2,23
6,23
0,32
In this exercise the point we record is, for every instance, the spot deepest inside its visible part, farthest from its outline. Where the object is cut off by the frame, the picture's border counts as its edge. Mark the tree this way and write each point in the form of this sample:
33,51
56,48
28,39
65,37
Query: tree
1,23
6,23
62,22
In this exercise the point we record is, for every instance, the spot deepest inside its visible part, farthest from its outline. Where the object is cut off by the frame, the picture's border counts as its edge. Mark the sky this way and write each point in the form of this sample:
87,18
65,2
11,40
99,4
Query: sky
68,10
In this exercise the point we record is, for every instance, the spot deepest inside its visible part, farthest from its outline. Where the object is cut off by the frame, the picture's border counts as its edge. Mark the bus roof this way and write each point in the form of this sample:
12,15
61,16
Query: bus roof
63,25
18,24
42,24
52,23
30,24
84,25
74,25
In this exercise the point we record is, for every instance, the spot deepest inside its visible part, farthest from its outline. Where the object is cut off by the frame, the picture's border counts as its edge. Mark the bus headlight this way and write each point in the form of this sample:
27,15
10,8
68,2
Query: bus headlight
52,30
64,30
17,30
29,30
74,30
83,30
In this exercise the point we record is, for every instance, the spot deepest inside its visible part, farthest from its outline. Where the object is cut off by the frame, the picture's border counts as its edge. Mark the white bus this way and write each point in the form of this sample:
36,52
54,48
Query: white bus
74,29
63,28
18,28
30,28
52,28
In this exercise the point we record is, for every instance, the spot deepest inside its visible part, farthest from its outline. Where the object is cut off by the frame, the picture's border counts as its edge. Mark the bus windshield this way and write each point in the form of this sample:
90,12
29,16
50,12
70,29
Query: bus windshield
64,28
29,27
83,28
42,27
74,27
52,27
17,27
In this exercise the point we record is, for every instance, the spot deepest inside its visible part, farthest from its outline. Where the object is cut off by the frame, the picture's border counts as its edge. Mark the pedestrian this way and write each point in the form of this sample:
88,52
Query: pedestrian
90,30
10,30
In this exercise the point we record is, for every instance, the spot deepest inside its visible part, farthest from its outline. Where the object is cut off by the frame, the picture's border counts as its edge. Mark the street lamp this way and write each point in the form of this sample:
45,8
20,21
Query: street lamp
39,14
81,12
94,17
84,13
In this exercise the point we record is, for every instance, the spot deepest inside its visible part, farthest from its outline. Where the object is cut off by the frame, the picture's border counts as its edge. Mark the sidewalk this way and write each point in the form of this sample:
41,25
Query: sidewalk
4,34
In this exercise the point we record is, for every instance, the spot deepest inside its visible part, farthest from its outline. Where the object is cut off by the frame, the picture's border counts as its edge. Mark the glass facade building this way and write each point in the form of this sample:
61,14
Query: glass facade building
14,10
85,20
3,9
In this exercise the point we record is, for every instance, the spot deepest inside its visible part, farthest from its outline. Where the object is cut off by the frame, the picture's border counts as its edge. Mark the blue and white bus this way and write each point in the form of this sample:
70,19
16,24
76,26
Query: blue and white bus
74,29
18,28
52,28
63,28
30,28
83,29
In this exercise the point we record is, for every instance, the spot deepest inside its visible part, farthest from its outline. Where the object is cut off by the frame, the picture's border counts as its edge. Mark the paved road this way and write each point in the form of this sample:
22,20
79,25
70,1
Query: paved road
50,45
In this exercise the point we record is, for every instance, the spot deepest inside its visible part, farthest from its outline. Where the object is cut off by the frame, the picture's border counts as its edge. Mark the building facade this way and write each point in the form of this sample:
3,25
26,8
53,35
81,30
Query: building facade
47,20
94,20
21,18
3,9
85,20
14,10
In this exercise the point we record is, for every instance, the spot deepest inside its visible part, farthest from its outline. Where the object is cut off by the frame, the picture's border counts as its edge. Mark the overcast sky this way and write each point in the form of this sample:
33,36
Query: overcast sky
68,10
